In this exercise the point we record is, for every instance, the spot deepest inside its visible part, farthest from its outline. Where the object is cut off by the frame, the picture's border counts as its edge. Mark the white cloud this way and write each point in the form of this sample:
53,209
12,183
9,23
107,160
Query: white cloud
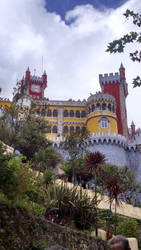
73,55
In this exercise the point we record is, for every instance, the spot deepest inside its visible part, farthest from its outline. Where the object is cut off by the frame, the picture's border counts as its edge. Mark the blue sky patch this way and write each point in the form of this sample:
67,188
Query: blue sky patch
62,6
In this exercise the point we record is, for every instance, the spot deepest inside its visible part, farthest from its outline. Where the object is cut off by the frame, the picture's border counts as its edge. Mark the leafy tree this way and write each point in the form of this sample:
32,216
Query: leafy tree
134,36
46,159
52,157
40,160
16,178
75,144
9,125
23,130
82,176
131,188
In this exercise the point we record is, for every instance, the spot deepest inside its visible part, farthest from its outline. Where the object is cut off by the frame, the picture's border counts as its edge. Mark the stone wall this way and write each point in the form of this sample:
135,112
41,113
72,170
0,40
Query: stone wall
115,153
71,239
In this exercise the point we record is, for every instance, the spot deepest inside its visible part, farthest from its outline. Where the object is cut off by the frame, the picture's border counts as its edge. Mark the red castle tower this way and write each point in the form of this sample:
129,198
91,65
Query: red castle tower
32,86
115,84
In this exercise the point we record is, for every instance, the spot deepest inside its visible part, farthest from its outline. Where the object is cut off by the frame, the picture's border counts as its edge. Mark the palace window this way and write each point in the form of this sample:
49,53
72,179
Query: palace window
71,129
77,113
83,114
71,113
66,113
98,106
83,129
93,107
109,107
104,123
43,113
55,113
49,113
48,129
103,106
65,130
78,129
54,130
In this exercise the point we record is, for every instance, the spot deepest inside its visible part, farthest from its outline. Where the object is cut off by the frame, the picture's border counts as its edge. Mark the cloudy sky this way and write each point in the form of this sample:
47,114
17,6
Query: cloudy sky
71,36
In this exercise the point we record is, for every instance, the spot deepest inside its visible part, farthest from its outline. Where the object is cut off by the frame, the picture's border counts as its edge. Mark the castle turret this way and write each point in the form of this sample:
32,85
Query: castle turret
32,86
115,84
122,71
133,131
27,76
101,118
44,77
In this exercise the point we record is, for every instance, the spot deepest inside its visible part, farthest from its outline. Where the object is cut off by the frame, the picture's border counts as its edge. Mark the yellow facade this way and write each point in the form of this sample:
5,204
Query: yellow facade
63,117
93,125
4,103
91,115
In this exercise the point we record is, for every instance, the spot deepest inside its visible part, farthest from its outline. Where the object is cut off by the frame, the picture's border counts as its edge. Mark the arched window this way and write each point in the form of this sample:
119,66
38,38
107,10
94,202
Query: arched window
78,129
54,130
77,113
49,113
104,122
83,129
65,130
83,113
98,106
55,113
66,113
71,129
109,107
113,109
89,110
71,113
103,106
93,107
43,113
48,129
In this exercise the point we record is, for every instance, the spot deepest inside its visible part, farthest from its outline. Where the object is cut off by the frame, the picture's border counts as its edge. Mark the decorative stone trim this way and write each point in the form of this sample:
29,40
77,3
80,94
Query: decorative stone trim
69,122
101,97
63,103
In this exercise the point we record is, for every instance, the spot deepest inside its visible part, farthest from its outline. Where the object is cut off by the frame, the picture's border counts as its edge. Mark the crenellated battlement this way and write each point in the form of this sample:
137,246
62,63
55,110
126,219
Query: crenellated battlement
70,102
101,97
36,78
107,78
4,99
111,139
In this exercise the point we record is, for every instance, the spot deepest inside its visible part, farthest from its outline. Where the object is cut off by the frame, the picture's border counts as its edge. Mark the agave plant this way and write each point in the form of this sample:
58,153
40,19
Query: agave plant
65,204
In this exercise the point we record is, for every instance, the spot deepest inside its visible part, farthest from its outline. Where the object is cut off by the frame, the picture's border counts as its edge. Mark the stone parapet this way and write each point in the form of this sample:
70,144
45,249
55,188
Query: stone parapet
101,97
36,78
106,78
71,103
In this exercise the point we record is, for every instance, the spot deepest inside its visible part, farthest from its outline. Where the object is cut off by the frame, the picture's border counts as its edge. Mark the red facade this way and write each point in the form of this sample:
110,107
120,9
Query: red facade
114,90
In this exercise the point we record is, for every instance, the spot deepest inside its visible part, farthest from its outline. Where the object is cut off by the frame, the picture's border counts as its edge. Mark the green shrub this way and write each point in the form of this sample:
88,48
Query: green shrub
128,227
48,175
40,245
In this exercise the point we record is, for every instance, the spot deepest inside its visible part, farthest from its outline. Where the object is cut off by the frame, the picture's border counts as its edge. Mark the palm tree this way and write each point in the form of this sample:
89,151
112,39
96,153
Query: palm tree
93,162
114,188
